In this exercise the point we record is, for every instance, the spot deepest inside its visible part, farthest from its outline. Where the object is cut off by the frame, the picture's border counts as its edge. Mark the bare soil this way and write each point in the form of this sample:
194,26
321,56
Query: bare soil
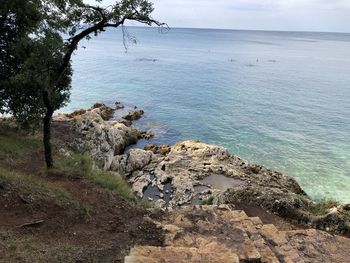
104,232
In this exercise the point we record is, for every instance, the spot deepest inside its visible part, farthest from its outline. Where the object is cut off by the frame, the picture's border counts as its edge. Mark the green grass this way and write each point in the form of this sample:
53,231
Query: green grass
82,165
322,207
346,214
208,201
16,144
30,249
36,191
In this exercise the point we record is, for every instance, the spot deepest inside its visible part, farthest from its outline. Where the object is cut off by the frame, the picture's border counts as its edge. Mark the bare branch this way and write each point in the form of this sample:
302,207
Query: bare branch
106,22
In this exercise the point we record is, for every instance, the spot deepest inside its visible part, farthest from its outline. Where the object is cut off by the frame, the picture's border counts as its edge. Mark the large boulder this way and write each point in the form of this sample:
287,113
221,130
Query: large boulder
102,138
134,115
134,160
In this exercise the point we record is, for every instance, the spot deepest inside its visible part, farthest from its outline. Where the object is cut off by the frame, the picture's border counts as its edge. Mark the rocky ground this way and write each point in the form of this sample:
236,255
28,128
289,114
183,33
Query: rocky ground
192,172
216,234
84,211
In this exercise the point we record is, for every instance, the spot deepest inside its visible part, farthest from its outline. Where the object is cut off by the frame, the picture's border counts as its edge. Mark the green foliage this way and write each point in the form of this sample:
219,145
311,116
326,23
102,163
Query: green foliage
15,144
32,55
34,188
82,165
346,214
322,207
36,61
37,74
208,201
18,19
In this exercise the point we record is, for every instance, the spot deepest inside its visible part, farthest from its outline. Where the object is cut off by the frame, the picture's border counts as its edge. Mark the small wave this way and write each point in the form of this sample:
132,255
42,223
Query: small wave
147,59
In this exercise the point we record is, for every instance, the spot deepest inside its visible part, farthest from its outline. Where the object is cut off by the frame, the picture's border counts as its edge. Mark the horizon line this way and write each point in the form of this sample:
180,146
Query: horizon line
241,29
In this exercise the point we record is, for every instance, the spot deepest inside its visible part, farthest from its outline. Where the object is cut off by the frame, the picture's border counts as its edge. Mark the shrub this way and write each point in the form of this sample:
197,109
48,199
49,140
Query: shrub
208,201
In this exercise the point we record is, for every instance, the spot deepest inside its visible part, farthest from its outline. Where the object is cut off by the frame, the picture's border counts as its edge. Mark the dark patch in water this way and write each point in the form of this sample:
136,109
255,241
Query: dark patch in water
147,59
167,190
154,192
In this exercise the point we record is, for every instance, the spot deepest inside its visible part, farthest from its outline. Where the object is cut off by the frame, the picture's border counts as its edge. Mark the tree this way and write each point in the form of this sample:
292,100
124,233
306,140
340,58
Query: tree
32,52
46,82
35,92
18,19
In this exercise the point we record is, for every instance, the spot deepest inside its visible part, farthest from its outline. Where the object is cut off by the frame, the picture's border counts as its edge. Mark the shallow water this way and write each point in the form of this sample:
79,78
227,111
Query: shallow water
221,182
280,99
214,183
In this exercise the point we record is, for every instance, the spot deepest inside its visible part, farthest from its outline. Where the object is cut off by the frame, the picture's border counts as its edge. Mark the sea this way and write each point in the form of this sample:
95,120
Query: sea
280,99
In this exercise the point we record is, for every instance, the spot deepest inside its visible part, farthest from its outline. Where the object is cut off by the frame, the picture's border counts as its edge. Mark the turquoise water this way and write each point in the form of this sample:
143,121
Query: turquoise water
280,99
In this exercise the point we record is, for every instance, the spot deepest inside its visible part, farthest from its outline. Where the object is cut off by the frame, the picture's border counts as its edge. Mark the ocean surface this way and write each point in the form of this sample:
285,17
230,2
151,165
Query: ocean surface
281,99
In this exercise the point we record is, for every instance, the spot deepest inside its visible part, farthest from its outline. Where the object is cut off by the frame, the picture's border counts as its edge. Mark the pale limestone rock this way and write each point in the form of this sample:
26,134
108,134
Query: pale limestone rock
137,159
139,182
101,138
187,163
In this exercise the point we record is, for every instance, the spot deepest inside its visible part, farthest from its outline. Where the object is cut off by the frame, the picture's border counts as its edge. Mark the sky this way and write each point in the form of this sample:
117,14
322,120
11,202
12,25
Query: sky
282,15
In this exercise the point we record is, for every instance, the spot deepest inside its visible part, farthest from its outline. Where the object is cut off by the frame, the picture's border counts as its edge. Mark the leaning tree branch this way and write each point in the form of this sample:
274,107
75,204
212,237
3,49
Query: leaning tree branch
73,42
99,10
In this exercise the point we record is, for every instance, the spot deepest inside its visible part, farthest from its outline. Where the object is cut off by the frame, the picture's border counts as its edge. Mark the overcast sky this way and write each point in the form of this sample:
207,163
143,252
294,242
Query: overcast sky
288,15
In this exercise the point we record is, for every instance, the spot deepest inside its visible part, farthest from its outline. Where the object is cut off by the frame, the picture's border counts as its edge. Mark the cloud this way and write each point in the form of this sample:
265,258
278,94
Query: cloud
302,15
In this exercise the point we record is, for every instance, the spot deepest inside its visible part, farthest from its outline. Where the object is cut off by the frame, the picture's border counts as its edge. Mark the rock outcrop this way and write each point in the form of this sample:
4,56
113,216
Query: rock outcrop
191,171
188,164
134,115
209,234
102,138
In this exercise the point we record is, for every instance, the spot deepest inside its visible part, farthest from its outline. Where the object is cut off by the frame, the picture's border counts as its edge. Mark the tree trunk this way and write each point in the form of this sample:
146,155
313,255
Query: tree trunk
47,130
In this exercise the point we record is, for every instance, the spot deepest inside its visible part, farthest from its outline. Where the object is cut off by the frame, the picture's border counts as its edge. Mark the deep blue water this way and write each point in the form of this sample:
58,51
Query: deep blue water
281,99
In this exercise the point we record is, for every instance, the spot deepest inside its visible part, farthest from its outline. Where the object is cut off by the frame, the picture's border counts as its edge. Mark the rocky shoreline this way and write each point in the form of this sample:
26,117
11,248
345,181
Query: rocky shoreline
191,171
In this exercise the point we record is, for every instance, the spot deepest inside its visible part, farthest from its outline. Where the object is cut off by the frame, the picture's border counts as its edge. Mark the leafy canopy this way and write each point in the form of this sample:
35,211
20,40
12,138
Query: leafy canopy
36,60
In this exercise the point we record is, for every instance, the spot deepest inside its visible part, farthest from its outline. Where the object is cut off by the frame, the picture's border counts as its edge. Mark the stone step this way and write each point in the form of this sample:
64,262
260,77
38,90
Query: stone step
278,243
221,234
234,215
150,254
224,229
202,225
267,255
269,241
244,247
251,226
319,246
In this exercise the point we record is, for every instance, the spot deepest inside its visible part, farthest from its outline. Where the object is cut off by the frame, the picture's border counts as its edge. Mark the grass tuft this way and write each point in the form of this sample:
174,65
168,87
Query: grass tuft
208,201
322,207
16,144
82,165
31,249
36,190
